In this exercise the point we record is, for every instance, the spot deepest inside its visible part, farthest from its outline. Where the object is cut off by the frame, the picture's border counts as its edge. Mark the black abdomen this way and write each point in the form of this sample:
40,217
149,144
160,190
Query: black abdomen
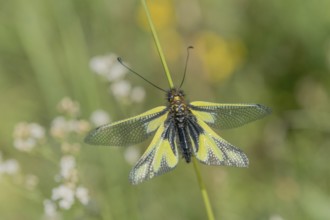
184,142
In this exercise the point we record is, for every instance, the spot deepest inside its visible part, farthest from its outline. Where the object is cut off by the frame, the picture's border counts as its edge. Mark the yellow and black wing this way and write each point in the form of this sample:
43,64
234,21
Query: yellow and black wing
224,116
129,131
161,155
210,149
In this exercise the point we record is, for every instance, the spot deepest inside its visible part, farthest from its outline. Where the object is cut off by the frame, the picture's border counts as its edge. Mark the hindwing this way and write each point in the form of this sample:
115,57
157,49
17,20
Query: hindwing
210,149
160,157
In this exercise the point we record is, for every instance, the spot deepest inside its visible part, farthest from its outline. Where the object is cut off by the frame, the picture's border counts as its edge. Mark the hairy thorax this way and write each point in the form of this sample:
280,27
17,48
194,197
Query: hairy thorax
178,107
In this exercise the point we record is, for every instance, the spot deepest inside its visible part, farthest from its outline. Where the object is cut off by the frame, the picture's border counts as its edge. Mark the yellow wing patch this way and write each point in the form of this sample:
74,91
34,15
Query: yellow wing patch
213,150
155,123
205,116
160,157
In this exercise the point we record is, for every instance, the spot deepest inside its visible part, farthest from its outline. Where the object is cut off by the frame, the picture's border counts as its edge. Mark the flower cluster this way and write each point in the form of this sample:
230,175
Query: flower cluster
69,189
61,127
110,69
67,124
9,167
68,107
65,128
27,136
65,132
100,117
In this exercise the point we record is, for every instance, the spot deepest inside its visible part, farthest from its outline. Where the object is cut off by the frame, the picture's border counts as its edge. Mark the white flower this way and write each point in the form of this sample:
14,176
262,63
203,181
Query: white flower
100,117
108,66
37,131
72,125
25,130
65,203
59,127
82,195
49,208
68,106
82,127
121,89
67,164
11,166
102,64
116,72
27,135
77,126
138,94
25,144
132,154
65,195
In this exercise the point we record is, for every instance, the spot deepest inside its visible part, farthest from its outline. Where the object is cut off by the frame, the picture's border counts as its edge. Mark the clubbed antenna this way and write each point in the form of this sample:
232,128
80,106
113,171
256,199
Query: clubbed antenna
185,68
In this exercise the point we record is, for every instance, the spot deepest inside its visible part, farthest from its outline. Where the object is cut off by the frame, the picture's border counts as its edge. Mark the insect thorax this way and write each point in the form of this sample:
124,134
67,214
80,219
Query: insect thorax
178,107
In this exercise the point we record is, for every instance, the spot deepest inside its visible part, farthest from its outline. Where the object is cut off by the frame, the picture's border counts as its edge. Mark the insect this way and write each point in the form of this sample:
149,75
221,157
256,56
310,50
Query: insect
180,129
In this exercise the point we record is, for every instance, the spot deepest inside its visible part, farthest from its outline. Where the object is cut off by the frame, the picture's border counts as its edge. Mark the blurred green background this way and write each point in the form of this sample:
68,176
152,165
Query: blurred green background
272,52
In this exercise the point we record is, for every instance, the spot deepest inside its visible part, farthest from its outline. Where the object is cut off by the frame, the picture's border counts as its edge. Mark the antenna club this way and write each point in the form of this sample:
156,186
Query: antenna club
185,68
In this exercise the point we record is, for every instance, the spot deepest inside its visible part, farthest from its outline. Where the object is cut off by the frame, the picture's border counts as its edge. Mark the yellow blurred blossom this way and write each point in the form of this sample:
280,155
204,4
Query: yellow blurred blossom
162,13
163,17
220,57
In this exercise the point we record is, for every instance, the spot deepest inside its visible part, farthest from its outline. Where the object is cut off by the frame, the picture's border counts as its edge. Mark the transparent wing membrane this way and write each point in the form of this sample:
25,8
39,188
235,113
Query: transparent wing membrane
224,116
129,131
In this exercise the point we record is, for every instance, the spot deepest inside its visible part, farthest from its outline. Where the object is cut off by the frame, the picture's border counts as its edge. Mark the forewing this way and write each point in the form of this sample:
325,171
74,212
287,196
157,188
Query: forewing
160,157
210,149
129,131
224,116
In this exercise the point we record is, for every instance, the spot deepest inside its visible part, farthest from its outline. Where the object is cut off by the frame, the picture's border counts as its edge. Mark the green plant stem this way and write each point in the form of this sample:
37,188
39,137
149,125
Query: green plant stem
159,48
205,196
